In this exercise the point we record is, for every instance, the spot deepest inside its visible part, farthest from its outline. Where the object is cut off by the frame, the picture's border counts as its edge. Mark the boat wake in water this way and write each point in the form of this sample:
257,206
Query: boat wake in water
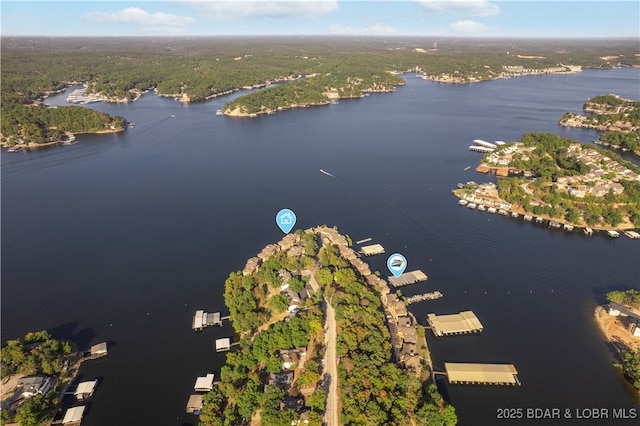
327,173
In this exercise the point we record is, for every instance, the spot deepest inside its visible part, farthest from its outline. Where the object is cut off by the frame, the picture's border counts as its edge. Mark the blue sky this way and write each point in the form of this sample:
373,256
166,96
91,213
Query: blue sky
471,18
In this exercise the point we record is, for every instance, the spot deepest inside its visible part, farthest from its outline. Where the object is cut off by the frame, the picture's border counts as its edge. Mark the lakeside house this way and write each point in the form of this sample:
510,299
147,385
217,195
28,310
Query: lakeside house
31,386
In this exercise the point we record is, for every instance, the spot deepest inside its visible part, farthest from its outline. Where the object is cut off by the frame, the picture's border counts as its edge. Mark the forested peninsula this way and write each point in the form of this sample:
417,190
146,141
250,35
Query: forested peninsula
618,119
290,305
561,181
303,71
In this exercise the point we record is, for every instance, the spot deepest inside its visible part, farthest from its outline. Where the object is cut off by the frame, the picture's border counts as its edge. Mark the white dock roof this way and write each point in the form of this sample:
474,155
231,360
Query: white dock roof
86,387
204,384
73,415
372,249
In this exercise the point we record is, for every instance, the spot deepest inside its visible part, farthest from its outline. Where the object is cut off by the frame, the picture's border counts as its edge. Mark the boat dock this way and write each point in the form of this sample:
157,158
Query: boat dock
426,296
223,345
372,250
202,319
97,351
448,325
408,278
483,149
481,374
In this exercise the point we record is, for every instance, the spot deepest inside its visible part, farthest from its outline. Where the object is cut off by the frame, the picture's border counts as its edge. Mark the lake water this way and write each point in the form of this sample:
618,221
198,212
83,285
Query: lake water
121,237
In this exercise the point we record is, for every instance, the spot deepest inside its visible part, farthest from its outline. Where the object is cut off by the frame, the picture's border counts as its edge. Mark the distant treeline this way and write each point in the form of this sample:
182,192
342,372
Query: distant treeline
196,69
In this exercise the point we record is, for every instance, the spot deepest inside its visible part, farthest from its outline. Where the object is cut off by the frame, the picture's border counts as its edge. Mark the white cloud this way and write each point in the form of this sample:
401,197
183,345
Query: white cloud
462,7
158,22
468,27
373,29
233,9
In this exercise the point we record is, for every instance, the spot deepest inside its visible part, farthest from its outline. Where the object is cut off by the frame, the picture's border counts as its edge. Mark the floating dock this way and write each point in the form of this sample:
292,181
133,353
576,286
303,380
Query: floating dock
481,374
477,148
448,325
202,319
408,278
426,296
372,250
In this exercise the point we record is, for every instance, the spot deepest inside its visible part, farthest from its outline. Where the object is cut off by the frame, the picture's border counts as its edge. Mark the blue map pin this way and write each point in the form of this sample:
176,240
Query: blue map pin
397,264
286,219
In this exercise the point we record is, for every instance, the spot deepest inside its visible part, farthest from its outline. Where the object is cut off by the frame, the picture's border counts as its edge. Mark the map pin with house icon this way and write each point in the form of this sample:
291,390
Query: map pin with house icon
286,219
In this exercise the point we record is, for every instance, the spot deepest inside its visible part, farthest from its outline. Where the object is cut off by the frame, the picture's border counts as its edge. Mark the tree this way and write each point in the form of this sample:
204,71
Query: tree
316,400
324,276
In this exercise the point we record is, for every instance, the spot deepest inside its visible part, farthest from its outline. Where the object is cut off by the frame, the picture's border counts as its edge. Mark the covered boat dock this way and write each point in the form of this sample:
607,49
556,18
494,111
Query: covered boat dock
481,374
446,325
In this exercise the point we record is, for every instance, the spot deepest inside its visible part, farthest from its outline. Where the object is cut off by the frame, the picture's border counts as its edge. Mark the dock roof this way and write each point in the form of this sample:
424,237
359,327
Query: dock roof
372,249
194,404
100,348
481,373
408,278
73,415
464,322
223,344
86,388
204,384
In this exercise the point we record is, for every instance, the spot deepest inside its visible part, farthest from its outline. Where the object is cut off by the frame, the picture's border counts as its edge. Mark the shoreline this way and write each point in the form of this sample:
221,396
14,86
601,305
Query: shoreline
618,338
33,145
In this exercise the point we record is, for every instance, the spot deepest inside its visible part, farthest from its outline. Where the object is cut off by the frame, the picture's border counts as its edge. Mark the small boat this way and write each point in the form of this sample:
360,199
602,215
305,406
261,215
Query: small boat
588,231
492,210
613,234
15,149
467,168
173,115
70,142
463,202
632,234
219,112
472,205
514,214
461,185
481,207
132,124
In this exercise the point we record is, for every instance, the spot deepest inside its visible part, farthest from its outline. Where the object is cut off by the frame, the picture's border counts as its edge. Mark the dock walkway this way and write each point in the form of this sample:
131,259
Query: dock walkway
426,296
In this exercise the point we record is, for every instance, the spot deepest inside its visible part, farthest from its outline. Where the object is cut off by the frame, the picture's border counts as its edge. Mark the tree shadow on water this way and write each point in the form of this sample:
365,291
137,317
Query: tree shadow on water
69,331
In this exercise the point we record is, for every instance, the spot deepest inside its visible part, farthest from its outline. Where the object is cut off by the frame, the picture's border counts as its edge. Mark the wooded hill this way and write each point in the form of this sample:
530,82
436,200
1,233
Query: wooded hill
193,69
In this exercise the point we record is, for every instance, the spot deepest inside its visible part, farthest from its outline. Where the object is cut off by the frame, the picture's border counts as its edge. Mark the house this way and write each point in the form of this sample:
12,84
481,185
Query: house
289,403
281,380
291,358
34,385
289,241
268,251
252,266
